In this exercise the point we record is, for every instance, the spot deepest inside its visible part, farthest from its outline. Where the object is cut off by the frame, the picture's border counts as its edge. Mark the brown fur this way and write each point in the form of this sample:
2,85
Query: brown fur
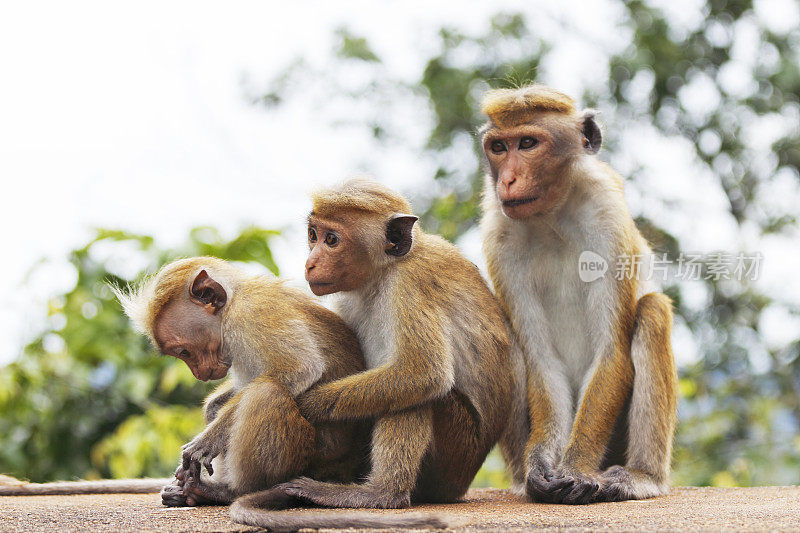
438,383
360,195
278,342
613,404
507,107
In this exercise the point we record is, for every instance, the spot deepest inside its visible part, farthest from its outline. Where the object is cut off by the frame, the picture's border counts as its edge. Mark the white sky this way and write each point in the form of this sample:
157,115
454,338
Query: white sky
121,115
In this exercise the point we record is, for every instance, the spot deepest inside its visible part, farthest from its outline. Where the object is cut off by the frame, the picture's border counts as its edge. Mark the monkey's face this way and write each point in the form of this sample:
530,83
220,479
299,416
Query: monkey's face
337,259
527,163
191,330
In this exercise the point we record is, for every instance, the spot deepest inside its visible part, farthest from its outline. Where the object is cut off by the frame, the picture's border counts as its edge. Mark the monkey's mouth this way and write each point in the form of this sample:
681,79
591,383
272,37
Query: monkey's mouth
321,288
519,201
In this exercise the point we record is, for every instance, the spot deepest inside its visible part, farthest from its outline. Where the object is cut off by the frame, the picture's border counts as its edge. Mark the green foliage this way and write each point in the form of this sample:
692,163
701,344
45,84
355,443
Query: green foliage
493,473
352,47
89,397
148,442
739,422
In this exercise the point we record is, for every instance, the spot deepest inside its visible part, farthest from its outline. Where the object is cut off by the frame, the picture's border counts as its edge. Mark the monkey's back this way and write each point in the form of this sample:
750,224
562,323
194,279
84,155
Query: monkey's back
274,304
342,448
446,280
338,342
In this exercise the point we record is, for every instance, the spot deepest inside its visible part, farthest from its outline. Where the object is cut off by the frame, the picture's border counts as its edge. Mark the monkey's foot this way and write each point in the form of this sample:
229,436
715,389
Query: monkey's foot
198,492
620,484
336,495
172,495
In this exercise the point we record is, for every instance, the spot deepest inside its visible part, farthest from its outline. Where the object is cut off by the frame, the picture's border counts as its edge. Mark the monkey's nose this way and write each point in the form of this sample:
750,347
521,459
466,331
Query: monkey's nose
508,181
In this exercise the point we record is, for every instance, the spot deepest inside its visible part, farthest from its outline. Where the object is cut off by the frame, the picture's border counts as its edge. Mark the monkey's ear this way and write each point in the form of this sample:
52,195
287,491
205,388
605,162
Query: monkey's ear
399,234
592,138
207,292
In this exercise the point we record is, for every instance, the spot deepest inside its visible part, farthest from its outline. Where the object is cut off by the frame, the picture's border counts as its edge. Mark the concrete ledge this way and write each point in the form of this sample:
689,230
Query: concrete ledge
757,508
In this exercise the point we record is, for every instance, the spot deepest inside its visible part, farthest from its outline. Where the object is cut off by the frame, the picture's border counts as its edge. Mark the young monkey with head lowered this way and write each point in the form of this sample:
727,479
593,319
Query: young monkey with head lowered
601,380
436,346
276,342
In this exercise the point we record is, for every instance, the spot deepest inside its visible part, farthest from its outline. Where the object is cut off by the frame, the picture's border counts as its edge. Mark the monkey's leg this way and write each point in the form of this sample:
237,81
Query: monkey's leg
601,405
399,443
651,417
518,429
342,451
457,452
271,442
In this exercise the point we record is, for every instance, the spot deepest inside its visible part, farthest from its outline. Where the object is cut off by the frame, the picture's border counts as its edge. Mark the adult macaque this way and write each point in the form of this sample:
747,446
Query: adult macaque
276,342
601,379
436,346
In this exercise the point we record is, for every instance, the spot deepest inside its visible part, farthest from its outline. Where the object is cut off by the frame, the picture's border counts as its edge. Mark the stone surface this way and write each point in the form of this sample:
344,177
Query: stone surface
741,509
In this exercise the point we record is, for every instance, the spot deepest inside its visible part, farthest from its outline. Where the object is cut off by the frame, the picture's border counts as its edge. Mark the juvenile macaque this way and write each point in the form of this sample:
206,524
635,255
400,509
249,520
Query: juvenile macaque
276,342
436,345
600,375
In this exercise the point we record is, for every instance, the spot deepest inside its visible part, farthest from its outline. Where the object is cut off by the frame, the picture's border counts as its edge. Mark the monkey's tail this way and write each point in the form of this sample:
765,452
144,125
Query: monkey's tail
263,509
10,486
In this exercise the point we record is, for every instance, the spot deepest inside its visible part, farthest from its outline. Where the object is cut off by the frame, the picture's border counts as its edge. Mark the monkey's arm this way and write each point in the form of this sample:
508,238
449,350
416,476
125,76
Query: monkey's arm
175,493
217,399
420,371
214,439
550,408
210,442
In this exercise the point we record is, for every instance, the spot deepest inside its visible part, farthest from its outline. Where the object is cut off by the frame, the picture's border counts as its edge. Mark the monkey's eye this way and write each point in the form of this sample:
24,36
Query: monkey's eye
527,142
497,147
312,235
331,239
183,354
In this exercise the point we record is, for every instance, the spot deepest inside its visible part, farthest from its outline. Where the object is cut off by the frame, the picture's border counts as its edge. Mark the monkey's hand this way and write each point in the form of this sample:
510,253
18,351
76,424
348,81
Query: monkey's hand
543,483
317,404
201,451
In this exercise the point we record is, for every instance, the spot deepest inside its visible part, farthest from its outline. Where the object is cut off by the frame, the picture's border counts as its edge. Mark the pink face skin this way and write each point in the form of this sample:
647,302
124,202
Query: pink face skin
192,332
527,162
336,261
